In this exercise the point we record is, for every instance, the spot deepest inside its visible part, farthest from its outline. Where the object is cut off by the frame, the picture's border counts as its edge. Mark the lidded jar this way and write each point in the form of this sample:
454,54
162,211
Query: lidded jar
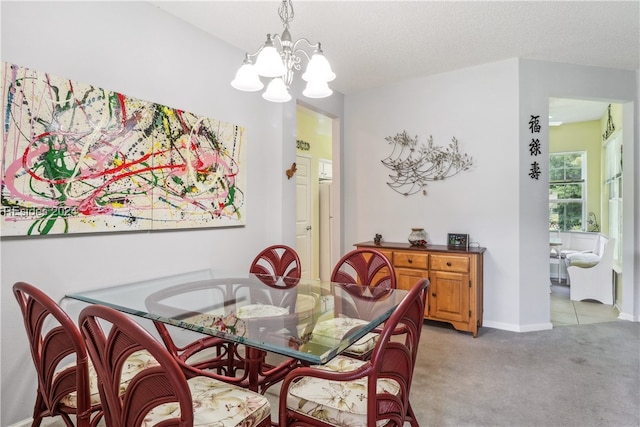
418,237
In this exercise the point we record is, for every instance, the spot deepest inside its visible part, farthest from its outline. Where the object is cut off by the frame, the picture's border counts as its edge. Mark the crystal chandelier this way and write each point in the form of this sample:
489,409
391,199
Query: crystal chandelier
281,63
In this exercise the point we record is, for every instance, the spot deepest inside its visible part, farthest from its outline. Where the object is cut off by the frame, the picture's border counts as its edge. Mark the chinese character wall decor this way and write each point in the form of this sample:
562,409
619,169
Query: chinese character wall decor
534,171
534,124
77,158
414,165
535,148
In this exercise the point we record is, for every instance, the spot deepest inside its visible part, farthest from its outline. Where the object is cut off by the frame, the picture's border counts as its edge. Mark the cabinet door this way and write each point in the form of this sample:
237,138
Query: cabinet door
449,296
407,278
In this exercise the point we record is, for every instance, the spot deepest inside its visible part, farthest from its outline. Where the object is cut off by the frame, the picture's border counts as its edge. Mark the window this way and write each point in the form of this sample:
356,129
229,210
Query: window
567,191
613,182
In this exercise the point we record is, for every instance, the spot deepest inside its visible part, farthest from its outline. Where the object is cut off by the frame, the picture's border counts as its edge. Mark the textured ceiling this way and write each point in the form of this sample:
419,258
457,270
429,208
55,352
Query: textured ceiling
373,43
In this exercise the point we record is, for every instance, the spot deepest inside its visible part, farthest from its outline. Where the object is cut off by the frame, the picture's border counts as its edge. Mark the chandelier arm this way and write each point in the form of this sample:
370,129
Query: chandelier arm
277,36
294,45
253,56
296,49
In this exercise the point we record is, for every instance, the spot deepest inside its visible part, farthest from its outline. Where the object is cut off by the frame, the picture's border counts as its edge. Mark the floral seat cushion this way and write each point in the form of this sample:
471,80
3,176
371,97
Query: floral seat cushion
216,403
252,311
228,323
342,403
135,363
235,322
327,331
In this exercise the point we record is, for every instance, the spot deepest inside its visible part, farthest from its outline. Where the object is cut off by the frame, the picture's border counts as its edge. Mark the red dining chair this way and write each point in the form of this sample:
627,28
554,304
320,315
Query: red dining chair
279,267
196,352
361,392
278,261
59,355
370,269
159,394
366,267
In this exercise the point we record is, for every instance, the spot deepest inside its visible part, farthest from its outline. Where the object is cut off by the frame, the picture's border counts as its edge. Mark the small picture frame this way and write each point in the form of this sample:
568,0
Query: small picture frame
457,240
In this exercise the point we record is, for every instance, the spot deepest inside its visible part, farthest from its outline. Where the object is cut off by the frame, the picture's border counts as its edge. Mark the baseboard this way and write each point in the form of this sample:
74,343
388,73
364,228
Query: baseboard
629,317
536,327
517,328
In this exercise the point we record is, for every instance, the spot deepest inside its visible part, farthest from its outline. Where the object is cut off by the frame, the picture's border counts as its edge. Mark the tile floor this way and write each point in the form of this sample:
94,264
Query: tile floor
566,312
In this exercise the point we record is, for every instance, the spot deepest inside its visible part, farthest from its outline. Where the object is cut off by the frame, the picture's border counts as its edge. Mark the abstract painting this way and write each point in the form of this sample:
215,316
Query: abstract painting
77,158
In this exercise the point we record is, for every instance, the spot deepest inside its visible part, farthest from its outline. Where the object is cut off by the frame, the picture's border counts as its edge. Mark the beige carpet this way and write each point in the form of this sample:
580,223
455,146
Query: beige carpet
582,375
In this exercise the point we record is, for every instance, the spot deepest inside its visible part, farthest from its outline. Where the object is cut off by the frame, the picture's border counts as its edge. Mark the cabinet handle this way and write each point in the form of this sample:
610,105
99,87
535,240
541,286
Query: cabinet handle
448,264
409,260
433,294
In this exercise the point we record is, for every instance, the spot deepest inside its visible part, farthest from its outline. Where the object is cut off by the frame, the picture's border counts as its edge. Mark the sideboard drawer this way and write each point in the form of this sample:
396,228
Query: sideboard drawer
410,260
459,264
387,253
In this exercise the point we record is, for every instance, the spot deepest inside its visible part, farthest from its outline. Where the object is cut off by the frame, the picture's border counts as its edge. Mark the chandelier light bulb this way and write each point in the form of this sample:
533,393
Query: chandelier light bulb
318,68
277,91
317,89
269,63
247,79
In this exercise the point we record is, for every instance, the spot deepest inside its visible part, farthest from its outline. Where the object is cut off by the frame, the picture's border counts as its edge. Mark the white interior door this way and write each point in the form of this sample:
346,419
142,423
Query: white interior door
304,240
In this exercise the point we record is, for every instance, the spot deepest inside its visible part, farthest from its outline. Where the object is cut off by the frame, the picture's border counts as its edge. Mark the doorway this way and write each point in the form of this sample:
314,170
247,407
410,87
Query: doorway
319,237
582,195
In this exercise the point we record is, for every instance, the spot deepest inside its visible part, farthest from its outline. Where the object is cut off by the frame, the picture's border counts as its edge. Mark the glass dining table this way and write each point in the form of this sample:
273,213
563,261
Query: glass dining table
263,312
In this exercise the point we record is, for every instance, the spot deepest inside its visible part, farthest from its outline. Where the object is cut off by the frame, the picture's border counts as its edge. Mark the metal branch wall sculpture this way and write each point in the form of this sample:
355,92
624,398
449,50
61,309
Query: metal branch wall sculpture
415,165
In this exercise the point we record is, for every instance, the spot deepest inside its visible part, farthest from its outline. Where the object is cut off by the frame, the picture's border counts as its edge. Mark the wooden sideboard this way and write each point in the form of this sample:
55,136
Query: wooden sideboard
455,293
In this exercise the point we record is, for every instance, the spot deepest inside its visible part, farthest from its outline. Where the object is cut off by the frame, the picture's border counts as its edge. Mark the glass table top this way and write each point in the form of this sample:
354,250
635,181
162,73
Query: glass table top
310,321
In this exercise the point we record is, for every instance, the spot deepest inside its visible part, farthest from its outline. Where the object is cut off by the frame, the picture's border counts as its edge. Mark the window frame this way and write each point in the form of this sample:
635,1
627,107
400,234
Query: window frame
556,203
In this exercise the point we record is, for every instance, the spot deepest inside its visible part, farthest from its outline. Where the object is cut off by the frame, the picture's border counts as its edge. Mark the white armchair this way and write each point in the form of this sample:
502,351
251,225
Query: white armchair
591,273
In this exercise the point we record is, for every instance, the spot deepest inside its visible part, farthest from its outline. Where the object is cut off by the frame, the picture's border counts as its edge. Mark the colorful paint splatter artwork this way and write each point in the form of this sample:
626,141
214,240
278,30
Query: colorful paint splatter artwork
77,158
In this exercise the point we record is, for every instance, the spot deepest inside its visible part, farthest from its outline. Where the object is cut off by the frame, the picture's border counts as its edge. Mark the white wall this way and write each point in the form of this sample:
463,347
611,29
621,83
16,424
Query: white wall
479,106
487,108
136,49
